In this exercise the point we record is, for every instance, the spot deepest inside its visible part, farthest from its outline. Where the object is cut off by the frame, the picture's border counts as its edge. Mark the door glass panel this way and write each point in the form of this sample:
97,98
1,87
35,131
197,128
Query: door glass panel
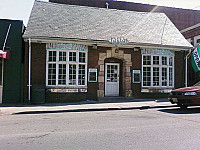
112,73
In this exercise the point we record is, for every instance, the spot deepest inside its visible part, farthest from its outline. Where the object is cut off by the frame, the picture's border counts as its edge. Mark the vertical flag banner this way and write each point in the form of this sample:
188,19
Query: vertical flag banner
195,58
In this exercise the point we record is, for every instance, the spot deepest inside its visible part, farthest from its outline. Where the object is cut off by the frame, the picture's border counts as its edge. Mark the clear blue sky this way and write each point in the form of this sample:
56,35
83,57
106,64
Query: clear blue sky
20,9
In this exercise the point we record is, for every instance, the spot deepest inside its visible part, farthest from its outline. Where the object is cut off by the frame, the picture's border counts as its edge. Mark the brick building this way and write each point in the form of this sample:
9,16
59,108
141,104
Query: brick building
80,53
186,20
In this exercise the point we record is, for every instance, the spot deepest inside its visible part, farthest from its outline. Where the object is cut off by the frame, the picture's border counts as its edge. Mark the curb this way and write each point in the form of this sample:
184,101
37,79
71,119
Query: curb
92,109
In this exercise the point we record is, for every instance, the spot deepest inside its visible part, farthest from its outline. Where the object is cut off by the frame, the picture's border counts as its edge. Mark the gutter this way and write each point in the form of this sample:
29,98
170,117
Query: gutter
90,42
190,28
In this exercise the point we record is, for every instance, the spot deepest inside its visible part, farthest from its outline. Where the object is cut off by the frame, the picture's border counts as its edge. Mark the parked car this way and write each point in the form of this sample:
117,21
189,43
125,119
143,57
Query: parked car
184,97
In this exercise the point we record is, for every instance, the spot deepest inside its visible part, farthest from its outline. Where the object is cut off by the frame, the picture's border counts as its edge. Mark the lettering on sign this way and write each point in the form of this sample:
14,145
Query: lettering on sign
158,52
67,46
118,41
68,90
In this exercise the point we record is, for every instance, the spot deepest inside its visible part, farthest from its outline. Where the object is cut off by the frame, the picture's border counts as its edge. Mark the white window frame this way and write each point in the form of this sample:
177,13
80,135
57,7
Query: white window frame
160,71
67,62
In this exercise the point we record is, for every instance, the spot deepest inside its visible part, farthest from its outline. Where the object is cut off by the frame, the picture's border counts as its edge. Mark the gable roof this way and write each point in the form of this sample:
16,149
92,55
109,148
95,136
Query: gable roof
61,21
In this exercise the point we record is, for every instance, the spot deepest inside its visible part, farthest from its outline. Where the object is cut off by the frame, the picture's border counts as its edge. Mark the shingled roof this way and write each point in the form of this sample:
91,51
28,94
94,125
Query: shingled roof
61,21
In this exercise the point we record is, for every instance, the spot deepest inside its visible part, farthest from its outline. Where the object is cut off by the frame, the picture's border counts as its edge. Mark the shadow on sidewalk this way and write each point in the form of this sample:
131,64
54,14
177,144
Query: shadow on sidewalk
91,109
117,100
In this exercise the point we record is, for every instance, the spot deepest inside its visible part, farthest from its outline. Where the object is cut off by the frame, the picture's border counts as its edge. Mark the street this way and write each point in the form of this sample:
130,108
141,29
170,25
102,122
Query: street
138,129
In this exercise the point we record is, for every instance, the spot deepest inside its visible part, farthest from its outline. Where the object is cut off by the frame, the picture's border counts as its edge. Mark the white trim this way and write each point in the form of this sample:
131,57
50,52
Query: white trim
29,72
106,43
190,28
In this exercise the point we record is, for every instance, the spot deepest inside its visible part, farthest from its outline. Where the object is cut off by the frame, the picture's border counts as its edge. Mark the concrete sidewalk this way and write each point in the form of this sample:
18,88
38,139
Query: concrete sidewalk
84,106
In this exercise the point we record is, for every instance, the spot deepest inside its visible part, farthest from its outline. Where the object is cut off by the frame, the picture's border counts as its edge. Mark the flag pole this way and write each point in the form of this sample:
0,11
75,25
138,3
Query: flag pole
2,67
4,45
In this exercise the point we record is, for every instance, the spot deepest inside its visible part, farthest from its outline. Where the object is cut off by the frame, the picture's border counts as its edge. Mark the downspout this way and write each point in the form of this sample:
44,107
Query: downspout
29,72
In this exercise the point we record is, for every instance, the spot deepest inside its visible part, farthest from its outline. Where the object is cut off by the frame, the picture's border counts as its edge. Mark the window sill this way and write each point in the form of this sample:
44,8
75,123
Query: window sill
157,90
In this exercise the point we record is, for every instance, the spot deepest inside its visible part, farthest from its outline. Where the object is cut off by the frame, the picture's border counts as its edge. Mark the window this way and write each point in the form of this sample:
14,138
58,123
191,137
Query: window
66,68
136,76
92,77
157,70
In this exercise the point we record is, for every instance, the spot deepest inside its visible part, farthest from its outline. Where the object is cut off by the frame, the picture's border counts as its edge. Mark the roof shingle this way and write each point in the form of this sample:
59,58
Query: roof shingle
87,23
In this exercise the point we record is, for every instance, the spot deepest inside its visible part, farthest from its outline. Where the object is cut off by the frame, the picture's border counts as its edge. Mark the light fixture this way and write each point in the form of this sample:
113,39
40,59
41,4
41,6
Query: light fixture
136,48
117,50
94,46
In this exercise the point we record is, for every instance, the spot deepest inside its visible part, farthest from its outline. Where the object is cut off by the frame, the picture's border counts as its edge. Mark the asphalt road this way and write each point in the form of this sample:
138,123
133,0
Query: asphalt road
147,129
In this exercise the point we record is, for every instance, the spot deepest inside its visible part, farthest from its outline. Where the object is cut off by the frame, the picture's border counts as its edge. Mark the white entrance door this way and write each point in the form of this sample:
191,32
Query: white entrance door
112,79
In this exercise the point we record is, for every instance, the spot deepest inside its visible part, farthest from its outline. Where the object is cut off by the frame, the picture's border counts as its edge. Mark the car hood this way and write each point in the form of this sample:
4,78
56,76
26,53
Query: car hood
188,89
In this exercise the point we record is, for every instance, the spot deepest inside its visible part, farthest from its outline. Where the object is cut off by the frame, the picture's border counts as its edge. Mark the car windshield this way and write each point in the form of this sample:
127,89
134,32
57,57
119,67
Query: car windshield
197,84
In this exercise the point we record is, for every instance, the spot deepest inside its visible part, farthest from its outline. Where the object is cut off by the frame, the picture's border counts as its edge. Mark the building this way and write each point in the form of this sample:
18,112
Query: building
186,20
11,70
80,53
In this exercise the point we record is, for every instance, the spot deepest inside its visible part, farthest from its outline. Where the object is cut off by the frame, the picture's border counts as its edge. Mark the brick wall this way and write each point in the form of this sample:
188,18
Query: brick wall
39,74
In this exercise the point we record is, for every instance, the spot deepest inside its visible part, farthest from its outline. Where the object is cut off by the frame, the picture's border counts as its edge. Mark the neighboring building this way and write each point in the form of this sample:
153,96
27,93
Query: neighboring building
11,84
80,53
186,20
192,34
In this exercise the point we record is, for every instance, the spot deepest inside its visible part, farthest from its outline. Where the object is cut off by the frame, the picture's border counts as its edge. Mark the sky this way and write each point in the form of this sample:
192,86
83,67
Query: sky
21,9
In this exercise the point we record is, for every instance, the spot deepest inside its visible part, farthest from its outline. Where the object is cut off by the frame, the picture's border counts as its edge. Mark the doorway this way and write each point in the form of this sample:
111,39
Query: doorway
112,79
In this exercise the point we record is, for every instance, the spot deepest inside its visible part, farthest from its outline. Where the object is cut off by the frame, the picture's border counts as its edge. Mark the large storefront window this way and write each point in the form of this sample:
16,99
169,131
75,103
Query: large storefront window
157,68
66,65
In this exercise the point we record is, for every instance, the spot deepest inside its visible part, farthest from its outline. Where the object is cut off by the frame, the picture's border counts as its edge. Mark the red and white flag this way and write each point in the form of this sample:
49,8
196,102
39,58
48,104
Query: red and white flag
5,54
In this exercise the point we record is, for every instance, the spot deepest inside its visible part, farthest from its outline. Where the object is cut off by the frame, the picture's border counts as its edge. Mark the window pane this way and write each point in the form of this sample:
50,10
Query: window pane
112,74
51,74
146,76
155,76
82,57
156,60
62,56
146,60
164,60
164,76
72,74
170,61
72,56
81,75
62,74
170,77
52,56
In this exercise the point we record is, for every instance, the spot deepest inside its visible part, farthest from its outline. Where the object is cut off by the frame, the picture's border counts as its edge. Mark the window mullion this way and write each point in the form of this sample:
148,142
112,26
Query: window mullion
151,70
160,71
77,73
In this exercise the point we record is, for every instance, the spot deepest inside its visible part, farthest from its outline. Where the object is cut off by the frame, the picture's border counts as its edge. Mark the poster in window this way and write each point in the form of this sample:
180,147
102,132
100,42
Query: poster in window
136,76
92,76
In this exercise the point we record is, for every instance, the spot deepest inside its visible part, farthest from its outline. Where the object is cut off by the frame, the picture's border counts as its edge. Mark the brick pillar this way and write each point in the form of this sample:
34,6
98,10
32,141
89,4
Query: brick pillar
127,75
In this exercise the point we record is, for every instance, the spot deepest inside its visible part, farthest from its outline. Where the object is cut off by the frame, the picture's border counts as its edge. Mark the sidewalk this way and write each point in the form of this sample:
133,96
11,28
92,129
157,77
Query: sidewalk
84,106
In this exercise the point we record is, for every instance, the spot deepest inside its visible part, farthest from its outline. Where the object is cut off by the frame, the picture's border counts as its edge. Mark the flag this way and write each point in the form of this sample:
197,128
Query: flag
5,54
195,58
